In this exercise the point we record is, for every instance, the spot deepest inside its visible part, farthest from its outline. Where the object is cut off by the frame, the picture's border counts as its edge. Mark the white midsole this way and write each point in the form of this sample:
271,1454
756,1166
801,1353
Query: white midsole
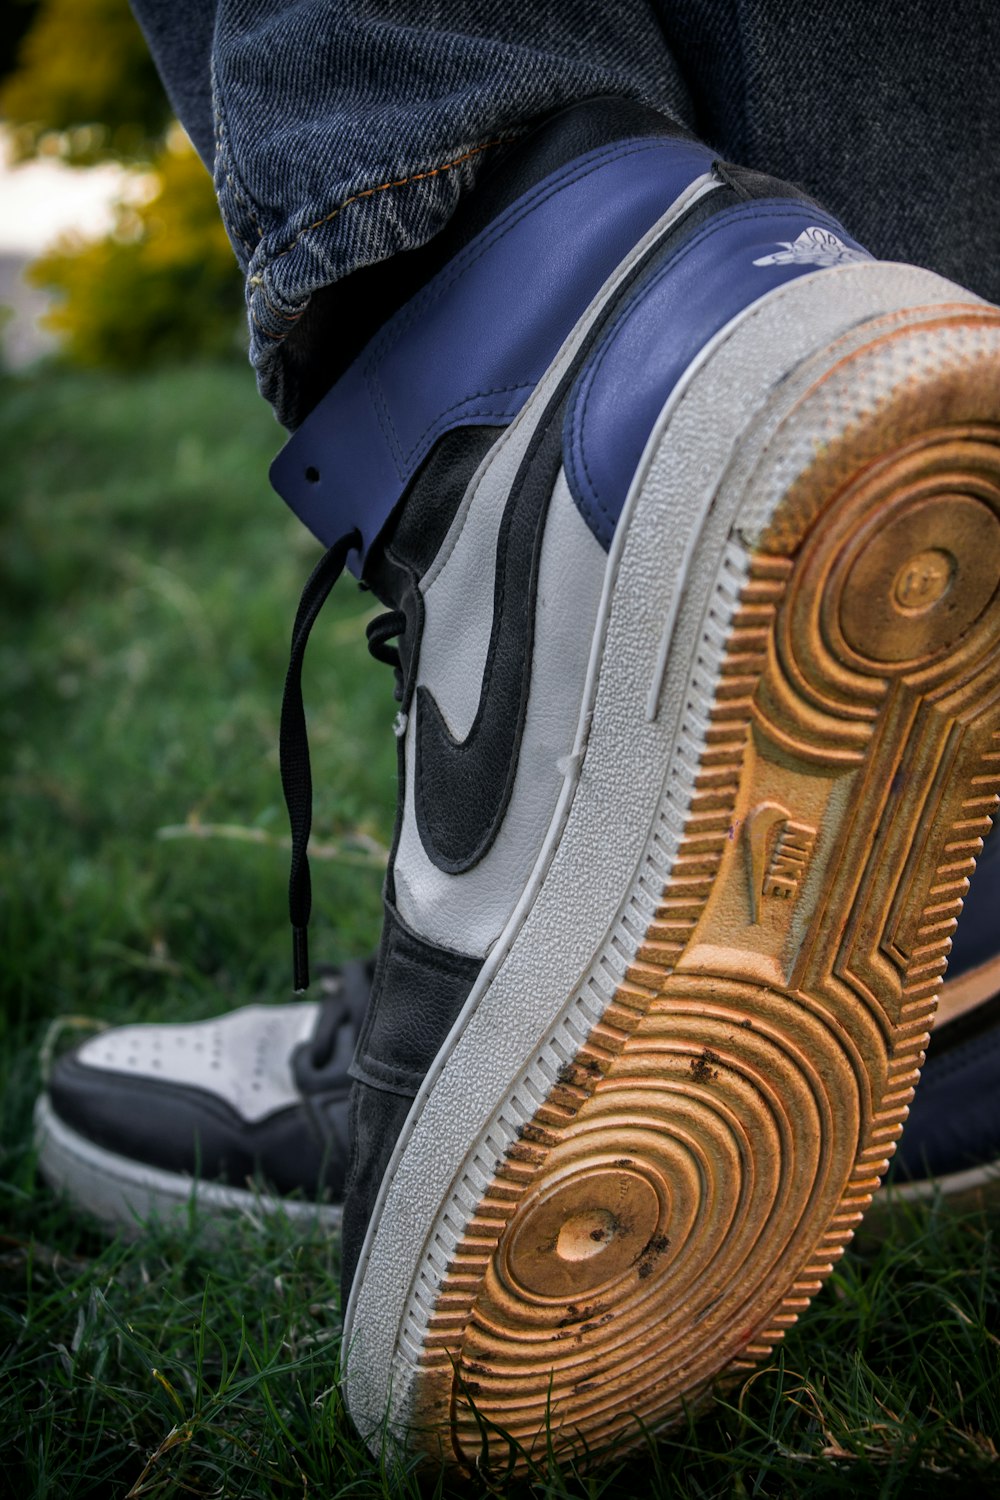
611,846
126,1194
967,991
951,1185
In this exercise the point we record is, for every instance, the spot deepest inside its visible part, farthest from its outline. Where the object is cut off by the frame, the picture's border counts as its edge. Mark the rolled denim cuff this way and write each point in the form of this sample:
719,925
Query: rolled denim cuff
346,134
370,225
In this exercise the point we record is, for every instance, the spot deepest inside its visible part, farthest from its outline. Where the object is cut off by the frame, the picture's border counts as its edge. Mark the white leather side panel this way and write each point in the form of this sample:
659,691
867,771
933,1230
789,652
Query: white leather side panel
468,911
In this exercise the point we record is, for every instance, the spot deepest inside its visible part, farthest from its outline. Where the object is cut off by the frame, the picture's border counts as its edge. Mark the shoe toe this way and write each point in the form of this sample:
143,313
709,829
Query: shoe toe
216,1100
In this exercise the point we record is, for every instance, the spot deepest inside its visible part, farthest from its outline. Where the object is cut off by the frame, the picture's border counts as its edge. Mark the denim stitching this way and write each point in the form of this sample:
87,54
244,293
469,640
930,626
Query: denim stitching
292,317
267,333
221,157
382,187
226,160
257,281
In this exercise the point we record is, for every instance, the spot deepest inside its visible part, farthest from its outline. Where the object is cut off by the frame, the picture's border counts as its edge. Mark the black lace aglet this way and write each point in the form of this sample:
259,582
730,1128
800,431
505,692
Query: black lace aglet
300,959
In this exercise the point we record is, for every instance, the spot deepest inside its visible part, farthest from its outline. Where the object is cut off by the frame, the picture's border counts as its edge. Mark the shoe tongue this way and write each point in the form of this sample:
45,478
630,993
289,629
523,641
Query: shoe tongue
414,536
343,996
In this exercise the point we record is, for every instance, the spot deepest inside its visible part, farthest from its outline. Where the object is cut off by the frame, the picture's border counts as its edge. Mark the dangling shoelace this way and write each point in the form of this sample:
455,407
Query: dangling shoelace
293,741
380,632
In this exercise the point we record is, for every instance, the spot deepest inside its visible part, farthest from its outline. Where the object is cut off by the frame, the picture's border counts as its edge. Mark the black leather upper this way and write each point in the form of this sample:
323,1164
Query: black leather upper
302,1148
299,1149
418,992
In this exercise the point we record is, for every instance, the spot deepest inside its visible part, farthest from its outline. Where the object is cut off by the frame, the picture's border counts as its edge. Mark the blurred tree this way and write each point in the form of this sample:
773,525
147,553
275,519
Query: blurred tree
164,283
84,86
17,18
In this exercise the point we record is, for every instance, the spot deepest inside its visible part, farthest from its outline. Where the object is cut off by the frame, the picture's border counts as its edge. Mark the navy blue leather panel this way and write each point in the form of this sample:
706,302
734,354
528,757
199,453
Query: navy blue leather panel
471,347
978,937
954,1120
731,261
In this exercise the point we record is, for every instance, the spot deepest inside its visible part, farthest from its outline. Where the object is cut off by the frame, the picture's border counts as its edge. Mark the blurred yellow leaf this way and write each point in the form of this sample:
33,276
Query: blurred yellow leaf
84,87
163,285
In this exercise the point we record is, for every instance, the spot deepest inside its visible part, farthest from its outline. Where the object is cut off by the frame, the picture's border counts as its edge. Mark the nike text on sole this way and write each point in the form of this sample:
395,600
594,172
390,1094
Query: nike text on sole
673,1092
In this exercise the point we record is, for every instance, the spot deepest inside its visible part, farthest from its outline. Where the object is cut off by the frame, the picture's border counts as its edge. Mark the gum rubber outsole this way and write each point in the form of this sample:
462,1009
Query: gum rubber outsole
680,1191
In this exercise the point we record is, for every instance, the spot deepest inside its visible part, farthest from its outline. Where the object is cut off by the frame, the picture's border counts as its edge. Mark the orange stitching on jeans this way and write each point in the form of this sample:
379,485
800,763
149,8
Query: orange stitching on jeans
401,182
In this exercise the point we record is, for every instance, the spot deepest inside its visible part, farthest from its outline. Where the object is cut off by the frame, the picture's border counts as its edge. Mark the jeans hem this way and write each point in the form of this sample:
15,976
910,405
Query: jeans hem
283,270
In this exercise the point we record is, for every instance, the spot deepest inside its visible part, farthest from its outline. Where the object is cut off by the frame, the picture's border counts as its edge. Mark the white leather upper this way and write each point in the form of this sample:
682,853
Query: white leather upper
244,1058
468,911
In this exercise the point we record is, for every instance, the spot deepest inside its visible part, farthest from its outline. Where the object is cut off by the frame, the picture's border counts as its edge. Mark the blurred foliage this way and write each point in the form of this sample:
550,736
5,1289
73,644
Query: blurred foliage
162,285
84,87
17,17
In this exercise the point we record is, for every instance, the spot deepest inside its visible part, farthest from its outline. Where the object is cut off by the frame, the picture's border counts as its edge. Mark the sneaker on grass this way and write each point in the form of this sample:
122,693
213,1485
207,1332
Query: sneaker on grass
283,1057
685,512
243,1113
951,1145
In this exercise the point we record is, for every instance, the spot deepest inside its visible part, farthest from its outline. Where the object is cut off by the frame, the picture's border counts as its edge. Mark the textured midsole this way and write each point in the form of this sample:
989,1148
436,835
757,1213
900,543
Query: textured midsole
126,1194
524,1037
698,1166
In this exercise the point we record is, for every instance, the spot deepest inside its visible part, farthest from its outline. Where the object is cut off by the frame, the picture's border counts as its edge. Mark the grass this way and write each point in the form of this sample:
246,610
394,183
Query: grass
148,579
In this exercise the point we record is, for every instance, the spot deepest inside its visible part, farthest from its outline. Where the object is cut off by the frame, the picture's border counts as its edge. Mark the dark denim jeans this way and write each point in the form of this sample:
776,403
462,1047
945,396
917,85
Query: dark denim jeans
342,134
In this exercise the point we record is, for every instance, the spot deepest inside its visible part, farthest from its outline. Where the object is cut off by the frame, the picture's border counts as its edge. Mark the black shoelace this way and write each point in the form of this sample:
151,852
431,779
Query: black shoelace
380,632
293,742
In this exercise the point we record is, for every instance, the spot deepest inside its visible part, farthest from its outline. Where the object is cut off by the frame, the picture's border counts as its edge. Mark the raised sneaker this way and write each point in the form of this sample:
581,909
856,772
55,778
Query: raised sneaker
685,511
243,1114
951,1145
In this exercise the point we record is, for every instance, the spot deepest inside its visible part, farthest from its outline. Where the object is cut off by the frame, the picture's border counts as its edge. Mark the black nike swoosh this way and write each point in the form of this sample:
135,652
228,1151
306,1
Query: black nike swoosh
462,787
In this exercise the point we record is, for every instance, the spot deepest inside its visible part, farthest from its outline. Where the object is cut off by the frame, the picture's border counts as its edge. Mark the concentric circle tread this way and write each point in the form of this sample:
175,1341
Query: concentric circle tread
700,1164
